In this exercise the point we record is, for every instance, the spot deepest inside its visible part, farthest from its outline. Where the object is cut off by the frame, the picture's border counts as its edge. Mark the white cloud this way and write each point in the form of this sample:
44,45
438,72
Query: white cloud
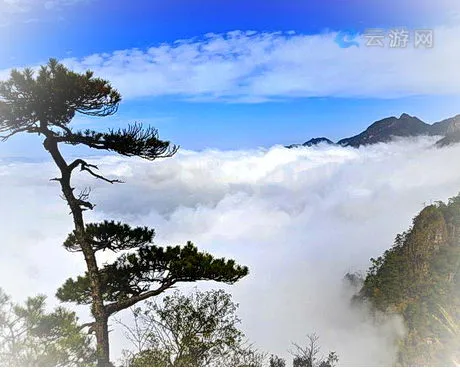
253,67
12,11
298,218
23,6
53,4
15,6
248,66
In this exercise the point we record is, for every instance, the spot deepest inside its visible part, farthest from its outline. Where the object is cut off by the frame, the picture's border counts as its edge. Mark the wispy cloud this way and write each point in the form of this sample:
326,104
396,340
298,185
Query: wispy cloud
53,4
248,66
21,10
298,218
23,6
15,6
255,67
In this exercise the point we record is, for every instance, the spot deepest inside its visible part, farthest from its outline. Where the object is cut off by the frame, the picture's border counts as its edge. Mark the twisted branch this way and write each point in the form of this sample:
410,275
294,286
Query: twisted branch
84,166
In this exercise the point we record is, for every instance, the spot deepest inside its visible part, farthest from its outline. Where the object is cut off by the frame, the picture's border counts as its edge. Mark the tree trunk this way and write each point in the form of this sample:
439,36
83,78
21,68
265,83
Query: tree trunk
98,308
102,339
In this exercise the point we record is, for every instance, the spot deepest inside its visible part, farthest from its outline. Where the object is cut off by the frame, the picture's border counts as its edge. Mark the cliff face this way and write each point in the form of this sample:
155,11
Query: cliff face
446,126
419,278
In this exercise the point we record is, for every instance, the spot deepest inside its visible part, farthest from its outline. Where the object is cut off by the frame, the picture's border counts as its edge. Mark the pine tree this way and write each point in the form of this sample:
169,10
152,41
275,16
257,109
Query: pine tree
30,336
45,103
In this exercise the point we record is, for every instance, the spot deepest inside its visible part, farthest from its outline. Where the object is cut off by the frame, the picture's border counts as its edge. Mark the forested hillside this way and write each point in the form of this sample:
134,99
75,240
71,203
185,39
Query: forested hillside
419,279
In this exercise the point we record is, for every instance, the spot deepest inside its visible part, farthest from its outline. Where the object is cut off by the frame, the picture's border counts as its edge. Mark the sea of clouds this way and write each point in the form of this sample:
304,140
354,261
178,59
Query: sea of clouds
300,219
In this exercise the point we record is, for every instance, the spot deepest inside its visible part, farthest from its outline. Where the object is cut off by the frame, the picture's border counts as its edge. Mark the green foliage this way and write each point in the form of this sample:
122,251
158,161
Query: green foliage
52,97
418,277
111,235
45,102
199,329
133,141
331,360
133,274
29,336
244,357
354,280
153,357
276,361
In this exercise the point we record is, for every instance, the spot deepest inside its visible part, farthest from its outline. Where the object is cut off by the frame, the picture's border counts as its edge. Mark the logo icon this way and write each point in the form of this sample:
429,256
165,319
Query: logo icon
346,39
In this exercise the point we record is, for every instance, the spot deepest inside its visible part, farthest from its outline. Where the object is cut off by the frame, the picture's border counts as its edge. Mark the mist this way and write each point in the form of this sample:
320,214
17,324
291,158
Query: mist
298,218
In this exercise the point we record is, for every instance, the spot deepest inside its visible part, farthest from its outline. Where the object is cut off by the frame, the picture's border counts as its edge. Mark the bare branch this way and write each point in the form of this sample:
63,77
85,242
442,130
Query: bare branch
84,194
64,128
84,166
82,200
79,161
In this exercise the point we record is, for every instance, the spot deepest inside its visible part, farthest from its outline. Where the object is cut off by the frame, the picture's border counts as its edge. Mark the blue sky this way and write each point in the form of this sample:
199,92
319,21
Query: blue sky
250,87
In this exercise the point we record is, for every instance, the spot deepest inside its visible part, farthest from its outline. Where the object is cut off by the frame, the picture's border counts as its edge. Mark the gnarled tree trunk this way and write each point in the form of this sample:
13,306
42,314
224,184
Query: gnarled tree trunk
98,309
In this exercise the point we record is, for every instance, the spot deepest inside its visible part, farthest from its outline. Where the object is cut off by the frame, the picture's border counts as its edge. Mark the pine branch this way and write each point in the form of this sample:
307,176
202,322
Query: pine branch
109,235
13,132
134,275
132,141
126,303
53,97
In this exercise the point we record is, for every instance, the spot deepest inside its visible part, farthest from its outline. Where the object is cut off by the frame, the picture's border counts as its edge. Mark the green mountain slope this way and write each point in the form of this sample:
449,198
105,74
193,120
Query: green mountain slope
419,279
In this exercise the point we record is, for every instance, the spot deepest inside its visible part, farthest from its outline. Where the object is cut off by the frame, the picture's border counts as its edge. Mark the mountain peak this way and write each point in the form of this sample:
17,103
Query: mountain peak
316,141
405,116
386,129
312,142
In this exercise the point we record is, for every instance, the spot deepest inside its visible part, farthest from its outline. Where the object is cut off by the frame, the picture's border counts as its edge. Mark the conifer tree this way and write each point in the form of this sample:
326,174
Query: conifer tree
30,336
44,103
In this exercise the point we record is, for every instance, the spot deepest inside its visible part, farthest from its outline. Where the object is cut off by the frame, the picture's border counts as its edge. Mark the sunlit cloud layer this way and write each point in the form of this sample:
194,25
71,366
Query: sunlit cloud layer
300,219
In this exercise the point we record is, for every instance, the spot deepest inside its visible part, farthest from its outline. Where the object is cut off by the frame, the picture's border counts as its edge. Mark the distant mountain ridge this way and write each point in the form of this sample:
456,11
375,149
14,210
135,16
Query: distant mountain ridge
387,129
312,142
